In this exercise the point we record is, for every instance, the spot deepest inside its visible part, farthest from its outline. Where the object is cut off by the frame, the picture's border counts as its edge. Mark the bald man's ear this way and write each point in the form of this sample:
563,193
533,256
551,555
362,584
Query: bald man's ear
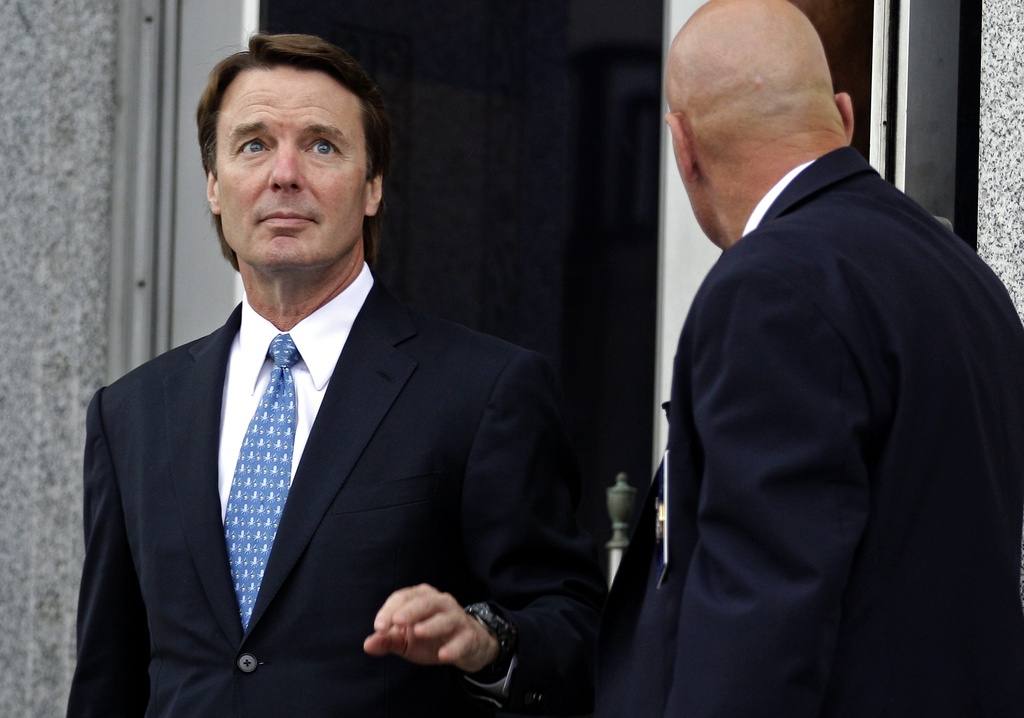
845,104
683,145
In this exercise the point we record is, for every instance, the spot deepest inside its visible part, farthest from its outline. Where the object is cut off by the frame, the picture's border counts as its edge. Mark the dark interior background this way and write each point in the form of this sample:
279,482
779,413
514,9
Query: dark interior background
845,27
523,199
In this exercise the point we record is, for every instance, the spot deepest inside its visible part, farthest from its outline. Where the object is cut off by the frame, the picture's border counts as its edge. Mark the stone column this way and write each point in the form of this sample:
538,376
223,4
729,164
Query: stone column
1001,152
1001,181
56,135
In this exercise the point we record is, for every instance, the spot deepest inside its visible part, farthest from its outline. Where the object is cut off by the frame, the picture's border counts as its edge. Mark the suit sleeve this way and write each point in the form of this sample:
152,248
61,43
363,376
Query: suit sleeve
780,411
111,676
520,496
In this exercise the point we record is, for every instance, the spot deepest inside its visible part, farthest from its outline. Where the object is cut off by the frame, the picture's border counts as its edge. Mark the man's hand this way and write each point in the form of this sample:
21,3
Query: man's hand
425,626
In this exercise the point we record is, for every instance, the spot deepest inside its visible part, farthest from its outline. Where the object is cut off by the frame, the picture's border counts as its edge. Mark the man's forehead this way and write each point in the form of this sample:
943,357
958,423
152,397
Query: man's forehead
286,89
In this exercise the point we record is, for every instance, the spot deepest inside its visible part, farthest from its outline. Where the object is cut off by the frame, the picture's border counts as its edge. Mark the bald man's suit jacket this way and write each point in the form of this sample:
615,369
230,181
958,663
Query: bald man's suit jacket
438,456
846,478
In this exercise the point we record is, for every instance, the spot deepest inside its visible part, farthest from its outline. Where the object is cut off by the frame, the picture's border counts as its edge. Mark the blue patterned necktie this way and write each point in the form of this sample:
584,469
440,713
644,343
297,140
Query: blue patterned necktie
262,477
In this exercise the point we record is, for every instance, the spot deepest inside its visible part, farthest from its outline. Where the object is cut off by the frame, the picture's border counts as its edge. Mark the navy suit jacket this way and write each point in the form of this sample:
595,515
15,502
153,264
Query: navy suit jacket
846,478
438,456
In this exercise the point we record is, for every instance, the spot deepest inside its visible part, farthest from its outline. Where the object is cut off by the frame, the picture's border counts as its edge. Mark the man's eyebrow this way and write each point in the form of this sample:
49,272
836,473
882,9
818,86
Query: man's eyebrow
249,128
255,128
328,131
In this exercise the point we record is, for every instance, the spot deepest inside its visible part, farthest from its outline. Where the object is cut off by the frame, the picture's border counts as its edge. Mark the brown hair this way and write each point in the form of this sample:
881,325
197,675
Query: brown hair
304,52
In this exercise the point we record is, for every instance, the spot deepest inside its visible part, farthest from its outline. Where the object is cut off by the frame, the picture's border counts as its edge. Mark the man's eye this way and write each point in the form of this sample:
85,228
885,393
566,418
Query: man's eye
323,147
253,146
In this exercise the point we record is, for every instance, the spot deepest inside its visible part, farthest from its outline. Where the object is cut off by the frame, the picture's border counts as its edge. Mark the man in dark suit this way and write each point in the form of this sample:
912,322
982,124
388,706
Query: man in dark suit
424,558
836,528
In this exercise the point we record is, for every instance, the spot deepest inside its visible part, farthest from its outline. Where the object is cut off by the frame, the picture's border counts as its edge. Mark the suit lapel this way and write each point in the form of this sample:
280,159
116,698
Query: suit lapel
367,379
193,398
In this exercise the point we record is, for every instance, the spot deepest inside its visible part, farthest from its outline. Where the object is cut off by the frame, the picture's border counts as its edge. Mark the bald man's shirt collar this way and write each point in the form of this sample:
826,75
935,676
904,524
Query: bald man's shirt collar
773,194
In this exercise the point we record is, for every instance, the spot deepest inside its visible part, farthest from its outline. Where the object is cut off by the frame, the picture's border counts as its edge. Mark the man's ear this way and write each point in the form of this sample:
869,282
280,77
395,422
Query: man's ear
213,192
845,104
683,145
374,194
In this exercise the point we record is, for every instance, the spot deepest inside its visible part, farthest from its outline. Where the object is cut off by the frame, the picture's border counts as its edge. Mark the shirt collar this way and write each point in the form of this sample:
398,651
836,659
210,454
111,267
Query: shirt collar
773,194
320,337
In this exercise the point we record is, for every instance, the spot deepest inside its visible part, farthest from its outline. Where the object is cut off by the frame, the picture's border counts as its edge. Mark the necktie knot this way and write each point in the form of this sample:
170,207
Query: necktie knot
283,352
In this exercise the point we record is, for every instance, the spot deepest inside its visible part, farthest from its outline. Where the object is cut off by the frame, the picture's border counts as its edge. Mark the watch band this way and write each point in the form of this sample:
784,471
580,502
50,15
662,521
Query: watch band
502,629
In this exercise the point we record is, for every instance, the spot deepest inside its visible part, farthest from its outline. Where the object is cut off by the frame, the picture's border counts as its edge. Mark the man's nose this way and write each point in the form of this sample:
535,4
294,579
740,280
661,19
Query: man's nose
286,173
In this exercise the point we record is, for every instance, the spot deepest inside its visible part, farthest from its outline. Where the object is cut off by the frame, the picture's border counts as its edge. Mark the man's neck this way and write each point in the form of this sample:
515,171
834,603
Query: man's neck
286,301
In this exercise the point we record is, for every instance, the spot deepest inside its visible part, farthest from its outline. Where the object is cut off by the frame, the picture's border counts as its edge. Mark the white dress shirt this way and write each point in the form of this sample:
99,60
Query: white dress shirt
320,337
773,194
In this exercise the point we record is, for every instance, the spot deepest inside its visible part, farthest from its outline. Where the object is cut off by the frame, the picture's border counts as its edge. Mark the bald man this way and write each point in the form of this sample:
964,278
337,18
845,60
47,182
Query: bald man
836,528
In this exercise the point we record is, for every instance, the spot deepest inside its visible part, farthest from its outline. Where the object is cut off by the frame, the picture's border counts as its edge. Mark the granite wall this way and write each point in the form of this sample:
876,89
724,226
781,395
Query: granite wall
1001,152
56,131
1001,182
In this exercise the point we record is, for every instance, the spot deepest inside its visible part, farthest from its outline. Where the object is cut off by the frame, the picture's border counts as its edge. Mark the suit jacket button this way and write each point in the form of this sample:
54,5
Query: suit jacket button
246,663
532,698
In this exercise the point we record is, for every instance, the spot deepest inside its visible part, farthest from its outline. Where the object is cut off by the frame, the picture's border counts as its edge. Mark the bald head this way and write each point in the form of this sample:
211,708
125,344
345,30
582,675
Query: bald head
753,70
750,97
